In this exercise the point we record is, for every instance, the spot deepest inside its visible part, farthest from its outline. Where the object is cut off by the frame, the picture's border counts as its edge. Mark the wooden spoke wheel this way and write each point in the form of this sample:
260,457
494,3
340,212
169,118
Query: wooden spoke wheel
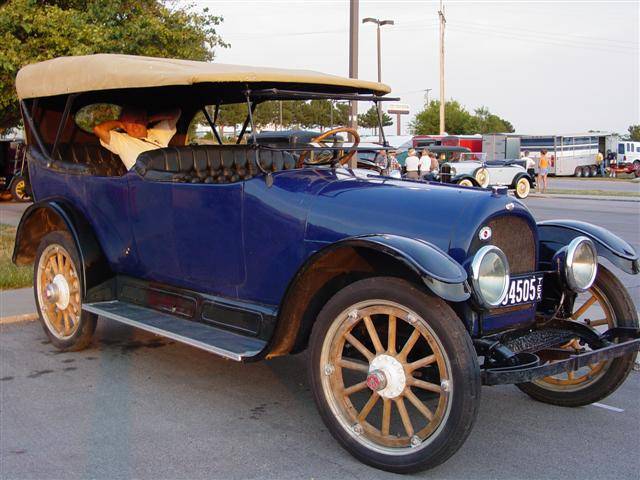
605,305
384,376
58,289
58,293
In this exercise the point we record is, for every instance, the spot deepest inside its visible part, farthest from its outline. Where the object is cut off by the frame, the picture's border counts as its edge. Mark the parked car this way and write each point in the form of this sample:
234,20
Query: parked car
14,178
627,159
248,252
473,170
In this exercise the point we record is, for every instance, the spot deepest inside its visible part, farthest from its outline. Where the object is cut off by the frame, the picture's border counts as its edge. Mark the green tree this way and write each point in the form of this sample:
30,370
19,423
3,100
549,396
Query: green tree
634,133
35,30
458,121
369,119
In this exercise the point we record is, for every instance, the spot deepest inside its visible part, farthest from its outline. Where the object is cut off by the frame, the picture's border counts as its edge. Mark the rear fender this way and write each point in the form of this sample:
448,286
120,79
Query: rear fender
555,234
52,215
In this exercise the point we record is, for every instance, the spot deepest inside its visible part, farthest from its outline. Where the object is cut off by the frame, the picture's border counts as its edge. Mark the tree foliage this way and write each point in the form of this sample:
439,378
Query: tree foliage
458,120
369,119
36,30
634,133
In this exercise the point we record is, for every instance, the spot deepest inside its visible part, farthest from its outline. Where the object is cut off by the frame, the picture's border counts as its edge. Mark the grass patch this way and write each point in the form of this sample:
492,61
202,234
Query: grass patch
10,275
604,193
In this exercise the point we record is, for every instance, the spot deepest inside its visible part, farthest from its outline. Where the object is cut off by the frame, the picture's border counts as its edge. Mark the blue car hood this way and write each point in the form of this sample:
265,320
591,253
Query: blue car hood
444,215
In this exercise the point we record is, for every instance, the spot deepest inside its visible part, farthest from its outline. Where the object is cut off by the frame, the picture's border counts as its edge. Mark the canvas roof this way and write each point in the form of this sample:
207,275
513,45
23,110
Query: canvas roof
65,75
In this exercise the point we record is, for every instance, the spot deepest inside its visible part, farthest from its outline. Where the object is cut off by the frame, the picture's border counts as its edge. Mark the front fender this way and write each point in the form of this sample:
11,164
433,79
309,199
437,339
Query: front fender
51,215
532,180
463,176
555,234
441,274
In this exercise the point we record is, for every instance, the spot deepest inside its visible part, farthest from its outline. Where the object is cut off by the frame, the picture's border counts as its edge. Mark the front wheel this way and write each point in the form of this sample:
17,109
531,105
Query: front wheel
465,182
394,375
605,305
19,189
523,187
58,293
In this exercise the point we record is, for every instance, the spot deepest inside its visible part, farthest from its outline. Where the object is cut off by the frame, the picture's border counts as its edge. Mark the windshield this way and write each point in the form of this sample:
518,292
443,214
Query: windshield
473,157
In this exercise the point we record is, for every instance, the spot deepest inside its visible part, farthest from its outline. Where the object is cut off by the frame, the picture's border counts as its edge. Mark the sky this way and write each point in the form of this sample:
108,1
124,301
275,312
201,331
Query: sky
546,66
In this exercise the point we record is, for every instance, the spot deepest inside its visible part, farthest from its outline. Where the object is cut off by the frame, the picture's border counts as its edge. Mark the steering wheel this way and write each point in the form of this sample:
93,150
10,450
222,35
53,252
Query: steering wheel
345,157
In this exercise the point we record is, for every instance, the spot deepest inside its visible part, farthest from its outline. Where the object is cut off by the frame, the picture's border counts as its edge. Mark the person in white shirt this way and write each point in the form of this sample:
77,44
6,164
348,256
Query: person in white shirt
424,165
529,163
137,137
412,165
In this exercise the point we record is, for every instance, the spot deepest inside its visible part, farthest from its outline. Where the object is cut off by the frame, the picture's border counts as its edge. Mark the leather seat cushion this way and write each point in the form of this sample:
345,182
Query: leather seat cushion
210,163
99,161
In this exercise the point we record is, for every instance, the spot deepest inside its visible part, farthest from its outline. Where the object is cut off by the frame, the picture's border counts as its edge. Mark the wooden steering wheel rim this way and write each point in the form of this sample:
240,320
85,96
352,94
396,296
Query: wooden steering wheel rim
345,158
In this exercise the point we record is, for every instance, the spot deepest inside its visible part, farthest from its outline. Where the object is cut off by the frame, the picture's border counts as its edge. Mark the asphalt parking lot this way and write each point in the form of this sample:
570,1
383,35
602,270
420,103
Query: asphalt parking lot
136,405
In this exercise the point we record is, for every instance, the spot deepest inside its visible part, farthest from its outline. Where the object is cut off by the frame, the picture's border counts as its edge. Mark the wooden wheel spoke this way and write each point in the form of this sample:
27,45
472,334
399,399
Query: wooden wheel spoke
421,407
355,388
409,345
377,344
366,410
359,346
431,387
391,340
354,365
585,306
404,416
423,362
60,262
67,321
386,416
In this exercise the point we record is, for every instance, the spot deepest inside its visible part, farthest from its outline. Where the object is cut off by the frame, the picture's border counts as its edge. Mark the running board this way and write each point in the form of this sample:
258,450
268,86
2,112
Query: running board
215,340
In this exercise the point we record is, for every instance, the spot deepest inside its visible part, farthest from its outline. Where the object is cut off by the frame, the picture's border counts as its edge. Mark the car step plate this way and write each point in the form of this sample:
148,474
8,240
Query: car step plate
215,340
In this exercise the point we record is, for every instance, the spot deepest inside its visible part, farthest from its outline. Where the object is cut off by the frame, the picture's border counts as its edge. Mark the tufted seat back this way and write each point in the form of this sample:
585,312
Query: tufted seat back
209,163
98,160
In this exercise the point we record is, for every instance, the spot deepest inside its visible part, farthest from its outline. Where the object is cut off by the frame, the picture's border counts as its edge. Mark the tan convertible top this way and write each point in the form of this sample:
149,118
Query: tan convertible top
112,71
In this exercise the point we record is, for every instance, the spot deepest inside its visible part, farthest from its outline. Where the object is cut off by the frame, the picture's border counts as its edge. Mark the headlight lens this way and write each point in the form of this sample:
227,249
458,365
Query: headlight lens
490,275
581,264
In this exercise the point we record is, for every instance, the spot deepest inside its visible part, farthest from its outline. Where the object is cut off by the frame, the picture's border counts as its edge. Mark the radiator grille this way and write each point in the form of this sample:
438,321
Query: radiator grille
514,237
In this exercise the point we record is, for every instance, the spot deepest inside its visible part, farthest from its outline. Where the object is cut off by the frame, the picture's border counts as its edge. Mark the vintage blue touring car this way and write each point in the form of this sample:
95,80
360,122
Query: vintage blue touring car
252,251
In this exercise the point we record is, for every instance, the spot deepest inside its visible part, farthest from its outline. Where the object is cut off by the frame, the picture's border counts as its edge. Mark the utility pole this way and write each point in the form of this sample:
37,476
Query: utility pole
353,53
379,23
443,21
427,90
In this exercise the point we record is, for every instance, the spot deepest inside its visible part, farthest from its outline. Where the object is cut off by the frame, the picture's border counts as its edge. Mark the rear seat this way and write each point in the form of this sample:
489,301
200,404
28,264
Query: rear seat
98,160
209,163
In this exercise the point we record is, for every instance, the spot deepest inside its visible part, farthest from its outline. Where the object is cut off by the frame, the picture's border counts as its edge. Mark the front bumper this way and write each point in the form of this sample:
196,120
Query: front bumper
530,368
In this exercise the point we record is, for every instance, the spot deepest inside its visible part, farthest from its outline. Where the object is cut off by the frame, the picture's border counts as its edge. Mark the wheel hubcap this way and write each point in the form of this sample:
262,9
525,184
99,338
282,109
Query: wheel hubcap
387,375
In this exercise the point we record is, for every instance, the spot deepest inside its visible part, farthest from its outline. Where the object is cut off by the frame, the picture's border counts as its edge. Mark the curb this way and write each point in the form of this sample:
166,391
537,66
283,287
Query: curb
585,197
25,317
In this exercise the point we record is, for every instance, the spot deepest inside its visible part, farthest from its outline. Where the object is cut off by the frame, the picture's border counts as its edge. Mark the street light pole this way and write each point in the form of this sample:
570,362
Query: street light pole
443,21
379,23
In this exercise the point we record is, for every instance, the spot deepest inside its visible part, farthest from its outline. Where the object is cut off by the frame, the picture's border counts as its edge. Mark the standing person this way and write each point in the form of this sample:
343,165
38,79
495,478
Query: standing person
543,170
529,164
424,164
412,165
394,165
600,163
382,162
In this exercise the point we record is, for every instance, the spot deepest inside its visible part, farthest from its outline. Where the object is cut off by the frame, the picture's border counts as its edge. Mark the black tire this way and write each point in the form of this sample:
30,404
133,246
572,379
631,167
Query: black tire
586,172
636,168
625,316
19,189
577,172
456,345
593,170
83,333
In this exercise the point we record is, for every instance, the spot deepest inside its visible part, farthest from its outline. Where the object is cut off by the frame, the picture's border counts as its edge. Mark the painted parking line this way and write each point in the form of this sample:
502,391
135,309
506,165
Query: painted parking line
608,407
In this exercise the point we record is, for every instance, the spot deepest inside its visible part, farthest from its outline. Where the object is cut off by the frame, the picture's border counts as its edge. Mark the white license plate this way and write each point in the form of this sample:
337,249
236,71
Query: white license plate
524,289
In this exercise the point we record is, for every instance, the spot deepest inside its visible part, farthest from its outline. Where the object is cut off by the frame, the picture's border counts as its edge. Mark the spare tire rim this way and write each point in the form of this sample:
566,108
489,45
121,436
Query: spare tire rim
364,387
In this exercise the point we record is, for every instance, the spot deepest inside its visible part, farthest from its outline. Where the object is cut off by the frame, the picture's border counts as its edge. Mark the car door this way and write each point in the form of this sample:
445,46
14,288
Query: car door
189,235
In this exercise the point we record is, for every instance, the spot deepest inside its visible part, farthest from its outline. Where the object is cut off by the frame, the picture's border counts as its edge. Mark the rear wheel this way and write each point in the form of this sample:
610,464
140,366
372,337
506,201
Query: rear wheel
593,170
523,187
586,172
19,189
578,172
58,293
605,305
394,374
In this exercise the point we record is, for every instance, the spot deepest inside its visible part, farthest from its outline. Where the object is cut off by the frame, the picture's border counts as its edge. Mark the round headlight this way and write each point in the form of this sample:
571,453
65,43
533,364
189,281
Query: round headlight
581,264
490,276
